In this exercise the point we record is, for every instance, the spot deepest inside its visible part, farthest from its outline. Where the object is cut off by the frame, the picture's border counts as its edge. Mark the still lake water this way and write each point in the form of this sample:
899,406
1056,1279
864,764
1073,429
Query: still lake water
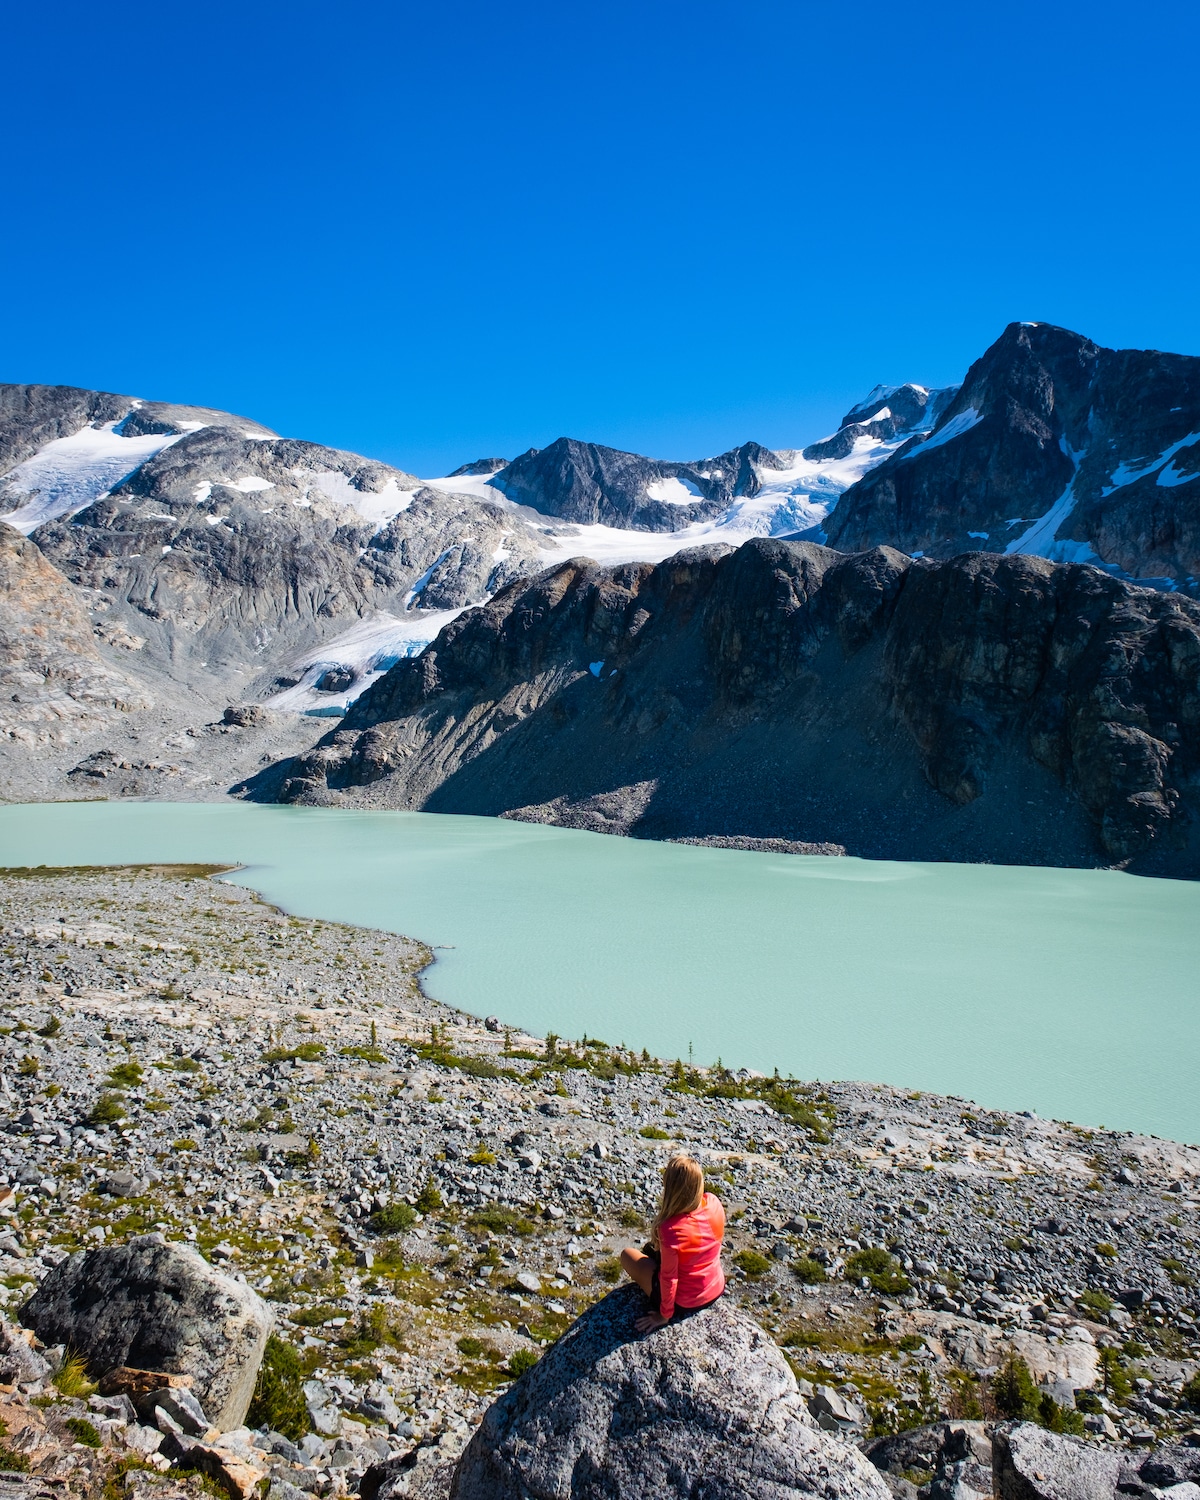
1070,992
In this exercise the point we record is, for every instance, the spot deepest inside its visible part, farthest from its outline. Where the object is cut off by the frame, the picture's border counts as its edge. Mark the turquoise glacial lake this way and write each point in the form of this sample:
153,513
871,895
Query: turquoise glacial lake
1073,993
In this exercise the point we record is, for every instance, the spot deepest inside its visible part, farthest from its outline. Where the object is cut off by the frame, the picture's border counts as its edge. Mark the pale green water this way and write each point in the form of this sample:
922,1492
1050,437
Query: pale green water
1069,992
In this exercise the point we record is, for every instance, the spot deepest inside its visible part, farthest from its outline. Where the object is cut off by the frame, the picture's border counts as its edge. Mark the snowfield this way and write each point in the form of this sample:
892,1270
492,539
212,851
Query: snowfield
69,473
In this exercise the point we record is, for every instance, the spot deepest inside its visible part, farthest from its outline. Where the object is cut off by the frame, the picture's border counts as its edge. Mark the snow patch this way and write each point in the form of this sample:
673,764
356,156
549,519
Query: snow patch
378,508
1126,473
1038,539
369,649
954,428
71,472
673,491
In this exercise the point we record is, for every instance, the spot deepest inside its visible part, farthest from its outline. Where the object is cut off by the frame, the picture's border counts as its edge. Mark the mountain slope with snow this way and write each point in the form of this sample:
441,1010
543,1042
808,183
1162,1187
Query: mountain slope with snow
1055,447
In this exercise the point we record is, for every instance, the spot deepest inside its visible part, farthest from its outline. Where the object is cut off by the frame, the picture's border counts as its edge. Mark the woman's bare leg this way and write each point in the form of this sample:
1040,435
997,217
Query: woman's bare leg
639,1268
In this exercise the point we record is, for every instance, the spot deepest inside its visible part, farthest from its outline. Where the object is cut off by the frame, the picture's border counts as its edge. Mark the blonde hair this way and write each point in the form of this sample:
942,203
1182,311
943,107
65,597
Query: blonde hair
682,1191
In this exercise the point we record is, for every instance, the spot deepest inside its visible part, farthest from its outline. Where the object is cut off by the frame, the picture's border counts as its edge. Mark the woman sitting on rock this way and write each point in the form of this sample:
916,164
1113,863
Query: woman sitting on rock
680,1269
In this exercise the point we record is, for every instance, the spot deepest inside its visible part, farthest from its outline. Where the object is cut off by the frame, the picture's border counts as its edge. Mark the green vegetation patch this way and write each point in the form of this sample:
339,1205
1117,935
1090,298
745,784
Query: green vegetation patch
497,1219
394,1218
305,1052
880,1269
752,1262
83,1431
279,1393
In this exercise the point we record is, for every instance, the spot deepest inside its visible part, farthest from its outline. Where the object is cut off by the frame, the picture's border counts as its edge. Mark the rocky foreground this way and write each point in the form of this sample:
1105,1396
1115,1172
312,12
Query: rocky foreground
425,1203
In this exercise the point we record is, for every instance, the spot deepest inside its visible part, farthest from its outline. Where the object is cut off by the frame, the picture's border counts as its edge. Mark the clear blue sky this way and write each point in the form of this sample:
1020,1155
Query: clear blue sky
434,232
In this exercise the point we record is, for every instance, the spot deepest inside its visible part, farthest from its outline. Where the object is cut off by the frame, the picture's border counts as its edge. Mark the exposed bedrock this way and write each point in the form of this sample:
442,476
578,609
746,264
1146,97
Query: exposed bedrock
54,684
984,707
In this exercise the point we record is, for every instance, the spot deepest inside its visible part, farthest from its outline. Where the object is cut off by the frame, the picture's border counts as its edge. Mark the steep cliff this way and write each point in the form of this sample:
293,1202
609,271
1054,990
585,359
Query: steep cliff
980,708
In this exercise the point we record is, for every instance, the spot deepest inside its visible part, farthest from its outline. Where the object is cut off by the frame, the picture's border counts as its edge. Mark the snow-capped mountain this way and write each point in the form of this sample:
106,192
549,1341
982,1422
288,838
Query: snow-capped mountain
1052,447
261,566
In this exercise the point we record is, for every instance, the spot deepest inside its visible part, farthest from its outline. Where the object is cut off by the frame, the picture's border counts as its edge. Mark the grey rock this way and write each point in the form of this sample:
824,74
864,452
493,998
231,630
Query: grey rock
180,1405
705,1404
1029,1463
122,1185
157,1307
19,1364
528,1282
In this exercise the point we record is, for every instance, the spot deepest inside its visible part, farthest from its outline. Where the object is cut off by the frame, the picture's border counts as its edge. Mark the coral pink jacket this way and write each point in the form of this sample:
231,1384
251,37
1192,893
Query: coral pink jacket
690,1245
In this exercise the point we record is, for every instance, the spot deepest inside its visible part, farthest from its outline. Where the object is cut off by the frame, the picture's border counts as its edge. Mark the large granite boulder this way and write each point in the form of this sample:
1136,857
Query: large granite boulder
708,1405
1029,1463
157,1306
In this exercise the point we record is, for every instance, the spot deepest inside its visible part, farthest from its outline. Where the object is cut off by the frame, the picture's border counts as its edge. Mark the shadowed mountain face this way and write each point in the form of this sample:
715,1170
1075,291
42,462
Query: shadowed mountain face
982,708
1055,447
588,483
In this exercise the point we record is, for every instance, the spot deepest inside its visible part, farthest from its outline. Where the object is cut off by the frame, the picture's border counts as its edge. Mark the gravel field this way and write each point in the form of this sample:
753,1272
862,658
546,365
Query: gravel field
428,1199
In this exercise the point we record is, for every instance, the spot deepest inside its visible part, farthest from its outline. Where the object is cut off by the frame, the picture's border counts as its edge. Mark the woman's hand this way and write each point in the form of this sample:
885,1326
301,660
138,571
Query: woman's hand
650,1322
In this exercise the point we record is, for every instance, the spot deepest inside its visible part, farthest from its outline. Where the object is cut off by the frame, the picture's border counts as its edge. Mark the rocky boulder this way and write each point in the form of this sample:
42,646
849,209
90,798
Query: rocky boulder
705,1404
1029,1463
157,1306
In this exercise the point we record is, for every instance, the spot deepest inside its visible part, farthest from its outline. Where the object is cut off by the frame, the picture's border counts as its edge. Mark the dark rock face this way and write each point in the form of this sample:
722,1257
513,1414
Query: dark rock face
155,1306
706,1406
896,708
1101,445
588,483
479,466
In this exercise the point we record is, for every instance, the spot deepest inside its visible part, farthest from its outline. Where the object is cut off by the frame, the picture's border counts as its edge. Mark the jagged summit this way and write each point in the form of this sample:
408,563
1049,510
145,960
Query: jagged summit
1052,446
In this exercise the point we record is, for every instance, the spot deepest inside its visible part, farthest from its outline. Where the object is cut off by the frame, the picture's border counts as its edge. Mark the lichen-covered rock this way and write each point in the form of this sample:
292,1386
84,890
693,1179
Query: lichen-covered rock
707,1405
1029,1463
157,1306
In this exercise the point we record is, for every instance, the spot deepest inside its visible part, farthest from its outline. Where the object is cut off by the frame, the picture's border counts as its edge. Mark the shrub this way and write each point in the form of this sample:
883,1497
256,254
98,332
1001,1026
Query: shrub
28,1067
52,1027
364,1054
483,1157
279,1394
472,1348
521,1360
429,1198
1095,1302
752,1262
1057,1418
653,1133
609,1269
1014,1391
184,1143
305,1052
83,1431
107,1110
1109,1252
880,1269
811,1272
1191,1391
126,1075
1117,1381
629,1218
499,1220
393,1217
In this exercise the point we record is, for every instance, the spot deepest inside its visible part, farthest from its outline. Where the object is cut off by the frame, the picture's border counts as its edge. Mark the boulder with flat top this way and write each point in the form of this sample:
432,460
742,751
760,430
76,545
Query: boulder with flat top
150,1306
707,1406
